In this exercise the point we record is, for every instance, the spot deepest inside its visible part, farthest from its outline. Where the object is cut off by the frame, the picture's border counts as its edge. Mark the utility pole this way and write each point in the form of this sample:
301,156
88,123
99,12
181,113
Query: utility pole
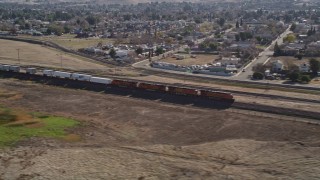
18,55
61,59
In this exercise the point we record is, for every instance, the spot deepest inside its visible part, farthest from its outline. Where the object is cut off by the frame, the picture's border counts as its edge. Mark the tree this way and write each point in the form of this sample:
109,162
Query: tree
237,37
187,50
257,75
57,30
237,25
305,78
67,29
213,46
294,76
221,21
27,26
314,66
289,38
259,68
241,22
159,51
277,50
91,20
112,53
245,35
139,50
299,56
293,27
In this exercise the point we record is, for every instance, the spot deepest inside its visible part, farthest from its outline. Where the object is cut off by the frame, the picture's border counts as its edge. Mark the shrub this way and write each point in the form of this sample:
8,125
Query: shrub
295,76
305,78
257,75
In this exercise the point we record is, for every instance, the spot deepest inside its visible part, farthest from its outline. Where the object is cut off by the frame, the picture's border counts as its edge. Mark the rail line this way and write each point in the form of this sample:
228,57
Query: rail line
234,92
196,101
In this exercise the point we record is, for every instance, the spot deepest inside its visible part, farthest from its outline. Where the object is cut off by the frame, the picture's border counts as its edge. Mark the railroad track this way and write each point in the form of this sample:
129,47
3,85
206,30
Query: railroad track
234,92
190,99
251,94
277,110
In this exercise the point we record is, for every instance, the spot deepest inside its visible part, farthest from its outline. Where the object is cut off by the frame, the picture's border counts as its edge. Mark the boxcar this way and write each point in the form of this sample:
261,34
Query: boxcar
100,80
183,91
216,95
124,83
152,87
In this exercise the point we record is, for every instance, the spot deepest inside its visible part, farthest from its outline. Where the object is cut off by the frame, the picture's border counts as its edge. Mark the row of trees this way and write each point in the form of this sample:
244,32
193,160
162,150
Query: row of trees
243,36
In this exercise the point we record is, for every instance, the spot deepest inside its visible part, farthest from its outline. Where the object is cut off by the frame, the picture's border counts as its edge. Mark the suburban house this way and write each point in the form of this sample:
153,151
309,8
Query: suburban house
277,66
292,49
304,67
229,61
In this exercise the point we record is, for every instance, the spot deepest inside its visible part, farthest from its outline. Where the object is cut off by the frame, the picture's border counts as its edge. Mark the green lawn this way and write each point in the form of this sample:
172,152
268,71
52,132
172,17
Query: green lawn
16,126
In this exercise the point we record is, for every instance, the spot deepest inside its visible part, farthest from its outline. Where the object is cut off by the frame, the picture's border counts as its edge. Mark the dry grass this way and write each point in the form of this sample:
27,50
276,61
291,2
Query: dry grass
199,60
72,138
9,94
69,41
37,55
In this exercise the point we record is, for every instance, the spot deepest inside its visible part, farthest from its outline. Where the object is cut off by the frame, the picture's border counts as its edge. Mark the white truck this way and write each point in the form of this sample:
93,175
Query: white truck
62,74
31,70
100,80
81,77
48,73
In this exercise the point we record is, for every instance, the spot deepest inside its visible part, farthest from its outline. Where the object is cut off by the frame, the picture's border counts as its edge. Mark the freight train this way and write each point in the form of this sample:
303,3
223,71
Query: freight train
125,83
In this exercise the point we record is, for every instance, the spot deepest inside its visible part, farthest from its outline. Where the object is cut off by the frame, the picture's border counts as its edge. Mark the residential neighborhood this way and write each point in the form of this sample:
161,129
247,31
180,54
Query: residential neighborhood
151,29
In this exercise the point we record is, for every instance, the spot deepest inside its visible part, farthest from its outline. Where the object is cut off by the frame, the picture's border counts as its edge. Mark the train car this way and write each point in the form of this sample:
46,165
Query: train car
216,95
152,87
183,91
124,83
14,68
61,74
31,71
100,80
6,67
48,73
80,77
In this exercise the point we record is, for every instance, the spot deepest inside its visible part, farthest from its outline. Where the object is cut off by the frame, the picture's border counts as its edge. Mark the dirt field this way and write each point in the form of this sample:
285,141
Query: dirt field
128,138
37,55
199,60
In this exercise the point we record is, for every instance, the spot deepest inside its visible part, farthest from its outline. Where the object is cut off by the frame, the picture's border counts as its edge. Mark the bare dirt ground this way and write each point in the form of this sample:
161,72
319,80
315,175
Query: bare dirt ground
200,59
37,55
128,138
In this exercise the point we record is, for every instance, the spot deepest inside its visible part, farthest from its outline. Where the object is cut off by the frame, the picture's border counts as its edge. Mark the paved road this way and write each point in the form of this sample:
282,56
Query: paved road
262,58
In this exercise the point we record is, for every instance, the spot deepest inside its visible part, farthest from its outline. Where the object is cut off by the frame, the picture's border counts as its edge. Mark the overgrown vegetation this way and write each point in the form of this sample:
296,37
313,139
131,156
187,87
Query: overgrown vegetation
17,125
